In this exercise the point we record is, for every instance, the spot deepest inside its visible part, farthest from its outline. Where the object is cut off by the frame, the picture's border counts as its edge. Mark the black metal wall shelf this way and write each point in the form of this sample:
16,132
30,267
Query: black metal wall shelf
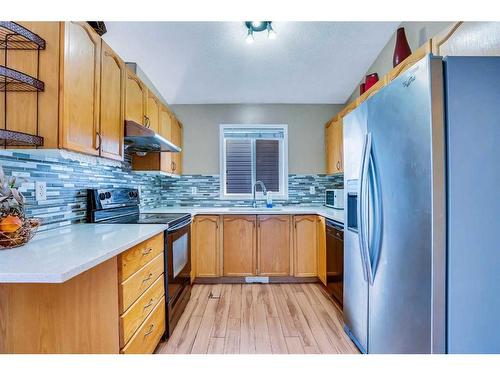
11,138
15,36
14,80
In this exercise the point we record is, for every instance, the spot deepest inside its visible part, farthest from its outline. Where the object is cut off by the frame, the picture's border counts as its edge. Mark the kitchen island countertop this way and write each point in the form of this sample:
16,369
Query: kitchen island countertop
57,255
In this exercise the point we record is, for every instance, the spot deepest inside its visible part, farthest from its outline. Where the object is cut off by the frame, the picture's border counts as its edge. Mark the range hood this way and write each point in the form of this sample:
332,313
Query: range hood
142,140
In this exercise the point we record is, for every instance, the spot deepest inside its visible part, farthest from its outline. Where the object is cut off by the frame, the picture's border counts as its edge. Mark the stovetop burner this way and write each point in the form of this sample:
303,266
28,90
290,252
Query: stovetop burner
170,219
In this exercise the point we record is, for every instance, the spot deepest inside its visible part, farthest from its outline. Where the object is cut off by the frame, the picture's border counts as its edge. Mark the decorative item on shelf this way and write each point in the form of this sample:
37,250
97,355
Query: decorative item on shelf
362,88
15,228
402,49
370,80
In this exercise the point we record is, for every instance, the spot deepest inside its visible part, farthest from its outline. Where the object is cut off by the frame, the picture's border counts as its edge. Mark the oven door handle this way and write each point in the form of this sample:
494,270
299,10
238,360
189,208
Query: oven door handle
181,225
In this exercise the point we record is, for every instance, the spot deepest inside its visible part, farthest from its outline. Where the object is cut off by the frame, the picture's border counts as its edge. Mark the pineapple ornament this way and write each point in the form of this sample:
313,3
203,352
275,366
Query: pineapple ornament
15,228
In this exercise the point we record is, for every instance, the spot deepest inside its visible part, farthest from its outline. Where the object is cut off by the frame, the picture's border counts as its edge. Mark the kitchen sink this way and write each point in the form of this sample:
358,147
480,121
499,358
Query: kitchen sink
254,209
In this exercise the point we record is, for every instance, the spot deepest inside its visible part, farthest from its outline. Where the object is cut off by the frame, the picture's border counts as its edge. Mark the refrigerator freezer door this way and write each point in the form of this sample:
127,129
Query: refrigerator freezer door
399,120
355,284
473,138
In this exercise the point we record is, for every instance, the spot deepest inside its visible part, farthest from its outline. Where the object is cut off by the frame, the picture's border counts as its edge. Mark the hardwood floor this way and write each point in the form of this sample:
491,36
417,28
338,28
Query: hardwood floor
255,318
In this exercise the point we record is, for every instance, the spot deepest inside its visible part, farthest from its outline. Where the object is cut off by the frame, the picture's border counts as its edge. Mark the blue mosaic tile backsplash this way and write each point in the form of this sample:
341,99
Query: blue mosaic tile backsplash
177,192
68,175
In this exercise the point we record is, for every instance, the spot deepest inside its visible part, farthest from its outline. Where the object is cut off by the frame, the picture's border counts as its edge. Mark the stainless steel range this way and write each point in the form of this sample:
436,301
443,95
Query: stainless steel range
121,206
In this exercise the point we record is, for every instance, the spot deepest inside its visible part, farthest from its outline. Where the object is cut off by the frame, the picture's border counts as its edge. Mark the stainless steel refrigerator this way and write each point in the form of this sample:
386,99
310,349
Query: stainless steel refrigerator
421,185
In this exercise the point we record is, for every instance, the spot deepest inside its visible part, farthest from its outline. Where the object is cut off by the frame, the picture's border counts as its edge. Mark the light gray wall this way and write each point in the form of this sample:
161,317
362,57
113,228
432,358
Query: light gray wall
417,33
306,142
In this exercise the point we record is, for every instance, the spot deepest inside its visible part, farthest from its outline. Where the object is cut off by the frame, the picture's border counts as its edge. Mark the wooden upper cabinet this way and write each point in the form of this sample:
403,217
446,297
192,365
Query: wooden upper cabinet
135,99
80,78
153,112
177,140
112,104
321,233
273,245
305,245
166,132
206,246
239,245
165,123
334,147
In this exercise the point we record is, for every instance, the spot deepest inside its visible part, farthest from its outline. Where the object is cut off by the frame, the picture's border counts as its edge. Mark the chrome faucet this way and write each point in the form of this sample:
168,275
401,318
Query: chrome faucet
264,191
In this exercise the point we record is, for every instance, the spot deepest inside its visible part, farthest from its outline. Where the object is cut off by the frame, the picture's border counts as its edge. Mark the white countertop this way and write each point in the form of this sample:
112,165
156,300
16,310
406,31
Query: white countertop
57,255
329,213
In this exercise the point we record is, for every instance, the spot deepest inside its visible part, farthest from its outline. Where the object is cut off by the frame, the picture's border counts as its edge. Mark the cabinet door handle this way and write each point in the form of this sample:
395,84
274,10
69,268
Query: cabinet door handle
99,138
338,165
148,277
147,251
149,303
150,331
146,121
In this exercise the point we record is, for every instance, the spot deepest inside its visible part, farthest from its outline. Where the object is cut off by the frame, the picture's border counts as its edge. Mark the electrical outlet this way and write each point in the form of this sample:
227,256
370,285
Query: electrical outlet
40,190
194,190
312,190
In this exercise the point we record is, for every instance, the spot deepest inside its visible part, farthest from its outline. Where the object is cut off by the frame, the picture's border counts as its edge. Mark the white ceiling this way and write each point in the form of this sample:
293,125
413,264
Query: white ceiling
209,62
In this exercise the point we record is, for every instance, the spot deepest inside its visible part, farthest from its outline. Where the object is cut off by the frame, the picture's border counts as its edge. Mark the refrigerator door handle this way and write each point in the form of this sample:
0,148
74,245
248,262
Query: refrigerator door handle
362,203
376,204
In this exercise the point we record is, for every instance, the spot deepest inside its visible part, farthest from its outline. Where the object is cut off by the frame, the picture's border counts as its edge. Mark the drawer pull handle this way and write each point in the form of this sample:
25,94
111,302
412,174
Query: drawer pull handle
149,303
148,277
150,331
147,251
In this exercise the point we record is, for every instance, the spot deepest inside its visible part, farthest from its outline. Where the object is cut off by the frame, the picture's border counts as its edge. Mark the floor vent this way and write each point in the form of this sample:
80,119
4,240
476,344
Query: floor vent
257,279
213,296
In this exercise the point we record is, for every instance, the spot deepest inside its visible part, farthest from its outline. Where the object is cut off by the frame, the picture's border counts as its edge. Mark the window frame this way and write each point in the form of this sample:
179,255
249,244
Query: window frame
283,194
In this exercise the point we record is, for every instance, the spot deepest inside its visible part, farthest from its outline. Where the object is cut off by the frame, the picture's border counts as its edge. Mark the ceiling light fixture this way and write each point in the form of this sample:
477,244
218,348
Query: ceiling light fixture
249,39
258,26
271,34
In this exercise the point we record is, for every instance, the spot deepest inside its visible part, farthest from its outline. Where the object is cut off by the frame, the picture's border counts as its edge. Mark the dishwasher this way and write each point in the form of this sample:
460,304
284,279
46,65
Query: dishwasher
335,260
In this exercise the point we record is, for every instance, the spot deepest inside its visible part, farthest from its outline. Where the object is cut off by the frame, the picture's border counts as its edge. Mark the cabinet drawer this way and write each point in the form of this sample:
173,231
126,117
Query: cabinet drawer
136,284
148,335
140,309
136,257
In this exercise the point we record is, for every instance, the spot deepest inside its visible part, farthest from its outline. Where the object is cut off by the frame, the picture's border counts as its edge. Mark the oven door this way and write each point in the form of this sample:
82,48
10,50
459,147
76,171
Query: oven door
178,260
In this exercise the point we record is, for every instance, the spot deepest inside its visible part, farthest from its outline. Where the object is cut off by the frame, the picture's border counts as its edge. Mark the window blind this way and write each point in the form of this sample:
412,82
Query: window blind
238,166
267,163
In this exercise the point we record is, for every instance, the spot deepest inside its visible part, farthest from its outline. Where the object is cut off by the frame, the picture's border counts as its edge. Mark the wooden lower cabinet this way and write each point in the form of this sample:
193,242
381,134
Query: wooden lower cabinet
273,245
239,245
206,246
305,246
141,294
103,310
140,309
321,229
149,333
78,316
263,245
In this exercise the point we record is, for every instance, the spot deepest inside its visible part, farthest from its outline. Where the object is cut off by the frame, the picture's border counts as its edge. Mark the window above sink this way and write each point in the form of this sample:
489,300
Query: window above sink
249,153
